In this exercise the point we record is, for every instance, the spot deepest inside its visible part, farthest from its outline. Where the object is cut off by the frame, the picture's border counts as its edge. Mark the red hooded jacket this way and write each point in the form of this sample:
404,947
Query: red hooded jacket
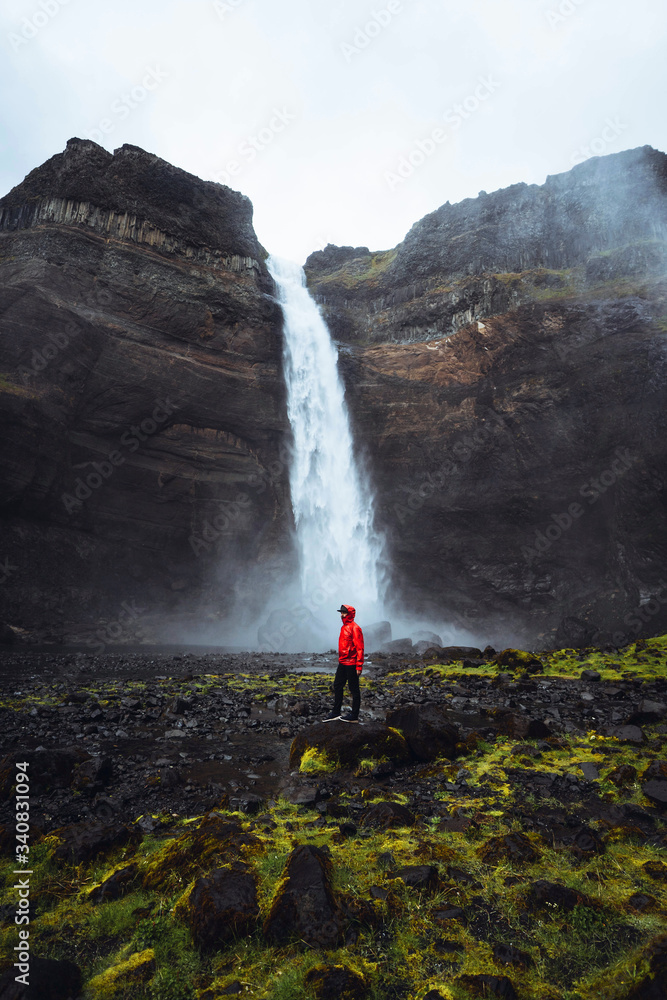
351,641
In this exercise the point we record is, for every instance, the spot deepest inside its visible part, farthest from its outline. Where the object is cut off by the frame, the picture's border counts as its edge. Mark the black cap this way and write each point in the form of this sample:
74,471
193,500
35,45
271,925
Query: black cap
343,608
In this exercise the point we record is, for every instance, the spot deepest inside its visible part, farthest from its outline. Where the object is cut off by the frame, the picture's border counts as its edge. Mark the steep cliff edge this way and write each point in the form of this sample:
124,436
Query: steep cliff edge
505,369
141,393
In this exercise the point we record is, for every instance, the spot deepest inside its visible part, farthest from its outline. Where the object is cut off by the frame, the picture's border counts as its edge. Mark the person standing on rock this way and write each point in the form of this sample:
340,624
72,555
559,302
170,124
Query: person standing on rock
350,664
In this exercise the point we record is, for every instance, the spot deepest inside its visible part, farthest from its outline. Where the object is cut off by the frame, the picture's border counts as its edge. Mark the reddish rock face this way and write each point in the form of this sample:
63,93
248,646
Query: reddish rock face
142,398
505,371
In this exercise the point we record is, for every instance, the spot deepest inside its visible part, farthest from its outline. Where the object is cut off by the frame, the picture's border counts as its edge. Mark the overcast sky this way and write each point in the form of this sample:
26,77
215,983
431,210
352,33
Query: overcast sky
344,121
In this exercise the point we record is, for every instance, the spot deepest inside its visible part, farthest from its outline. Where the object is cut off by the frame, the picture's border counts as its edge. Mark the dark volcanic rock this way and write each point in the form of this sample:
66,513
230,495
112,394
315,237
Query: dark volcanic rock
336,982
509,955
348,744
47,769
513,659
304,906
115,886
49,980
84,841
542,895
397,646
384,815
376,635
460,652
629,734
424,877
515,847
624,774
428,732
656,791
222,906
489,986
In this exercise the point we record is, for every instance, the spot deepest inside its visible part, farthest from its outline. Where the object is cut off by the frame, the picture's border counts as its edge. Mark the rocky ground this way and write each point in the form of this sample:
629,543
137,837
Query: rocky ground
493,828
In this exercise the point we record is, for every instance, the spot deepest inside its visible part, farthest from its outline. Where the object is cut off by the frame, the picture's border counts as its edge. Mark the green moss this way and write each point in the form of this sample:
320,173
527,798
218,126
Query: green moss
115,980
315,761
363,270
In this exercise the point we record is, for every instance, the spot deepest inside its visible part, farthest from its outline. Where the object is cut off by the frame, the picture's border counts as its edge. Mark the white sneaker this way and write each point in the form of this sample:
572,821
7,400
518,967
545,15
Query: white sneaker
334,718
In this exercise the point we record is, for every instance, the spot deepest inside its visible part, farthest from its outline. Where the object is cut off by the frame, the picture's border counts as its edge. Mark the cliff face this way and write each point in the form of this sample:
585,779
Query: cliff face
141,394
505,371
605,217
505,367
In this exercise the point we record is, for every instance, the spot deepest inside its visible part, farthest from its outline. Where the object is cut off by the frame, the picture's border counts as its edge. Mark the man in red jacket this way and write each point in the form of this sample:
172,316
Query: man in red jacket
350,663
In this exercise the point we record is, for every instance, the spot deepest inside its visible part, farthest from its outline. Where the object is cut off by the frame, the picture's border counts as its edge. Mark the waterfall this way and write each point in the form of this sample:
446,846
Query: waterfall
339,550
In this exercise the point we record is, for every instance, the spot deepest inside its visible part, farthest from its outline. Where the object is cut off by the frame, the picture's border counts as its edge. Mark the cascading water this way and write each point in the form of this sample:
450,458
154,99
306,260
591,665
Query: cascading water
339,549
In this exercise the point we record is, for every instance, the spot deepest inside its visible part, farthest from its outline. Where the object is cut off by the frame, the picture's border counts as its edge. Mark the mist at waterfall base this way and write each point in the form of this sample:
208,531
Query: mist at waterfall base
337,556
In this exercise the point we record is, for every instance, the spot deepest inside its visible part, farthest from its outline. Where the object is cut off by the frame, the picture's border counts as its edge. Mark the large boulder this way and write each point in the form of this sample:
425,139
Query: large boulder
517,659
543,895
82,842
305,907
376,635
386,815
345,744
423,635
427,730
397,647
461,653
222,906
514,847
47,769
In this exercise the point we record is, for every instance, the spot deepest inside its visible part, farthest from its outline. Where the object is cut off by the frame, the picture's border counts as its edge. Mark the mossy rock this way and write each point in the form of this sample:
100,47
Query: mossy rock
304,907
216,837
138,968
515,847
489,986
345,745
518,659
336,982
221,907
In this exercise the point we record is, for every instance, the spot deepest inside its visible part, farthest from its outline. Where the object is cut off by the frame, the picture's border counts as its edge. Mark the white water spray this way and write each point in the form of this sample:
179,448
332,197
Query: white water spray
340,552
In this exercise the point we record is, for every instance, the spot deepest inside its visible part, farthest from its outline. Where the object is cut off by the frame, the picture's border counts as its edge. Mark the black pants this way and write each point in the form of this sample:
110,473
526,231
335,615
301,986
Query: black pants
346,675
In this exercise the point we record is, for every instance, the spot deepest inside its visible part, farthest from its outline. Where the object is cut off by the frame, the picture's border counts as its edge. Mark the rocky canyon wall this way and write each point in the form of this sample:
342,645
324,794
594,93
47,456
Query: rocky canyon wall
505,372
505,366
141,395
